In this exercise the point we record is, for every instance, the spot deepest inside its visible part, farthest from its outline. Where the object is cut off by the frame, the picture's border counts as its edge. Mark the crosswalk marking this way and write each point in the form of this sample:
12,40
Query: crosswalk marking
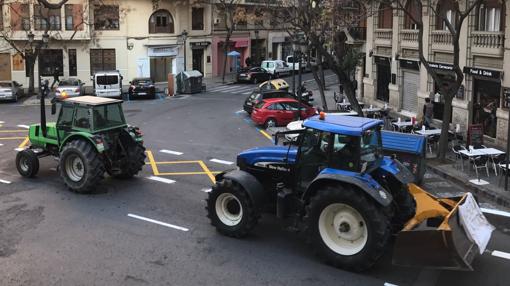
234,89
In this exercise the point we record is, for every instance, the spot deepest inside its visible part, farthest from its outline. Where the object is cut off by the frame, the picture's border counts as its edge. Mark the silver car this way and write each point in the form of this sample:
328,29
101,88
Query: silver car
70,87
10,90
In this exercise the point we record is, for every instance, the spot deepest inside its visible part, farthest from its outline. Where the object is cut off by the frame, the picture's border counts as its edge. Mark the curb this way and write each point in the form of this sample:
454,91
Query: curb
480,191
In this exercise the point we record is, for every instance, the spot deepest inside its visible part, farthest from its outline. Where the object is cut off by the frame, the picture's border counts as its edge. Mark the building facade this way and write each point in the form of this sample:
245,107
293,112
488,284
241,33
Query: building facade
138,38
394,75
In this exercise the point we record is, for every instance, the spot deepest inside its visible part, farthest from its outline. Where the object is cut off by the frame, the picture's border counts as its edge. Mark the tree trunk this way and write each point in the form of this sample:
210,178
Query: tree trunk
445,127
321,89
321,71
225,52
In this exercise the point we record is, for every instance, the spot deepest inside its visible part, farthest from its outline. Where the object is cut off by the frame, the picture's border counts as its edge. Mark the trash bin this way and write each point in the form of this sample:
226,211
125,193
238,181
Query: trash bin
189,82
409,149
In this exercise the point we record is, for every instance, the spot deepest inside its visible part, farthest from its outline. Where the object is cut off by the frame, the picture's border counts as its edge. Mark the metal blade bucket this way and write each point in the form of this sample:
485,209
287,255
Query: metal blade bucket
446,246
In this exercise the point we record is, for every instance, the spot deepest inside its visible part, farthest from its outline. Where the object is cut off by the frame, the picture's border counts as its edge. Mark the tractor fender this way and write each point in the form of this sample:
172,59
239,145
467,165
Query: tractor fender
379,194
79,136
397,170
249,183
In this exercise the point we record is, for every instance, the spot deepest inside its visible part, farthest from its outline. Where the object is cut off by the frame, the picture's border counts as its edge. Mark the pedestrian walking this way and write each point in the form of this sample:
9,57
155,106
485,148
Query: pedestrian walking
56,74
428,112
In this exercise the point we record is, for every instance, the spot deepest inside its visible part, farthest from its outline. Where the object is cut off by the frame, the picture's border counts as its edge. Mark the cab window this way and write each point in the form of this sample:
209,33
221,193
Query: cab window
66,116
275,106
82,118
345,153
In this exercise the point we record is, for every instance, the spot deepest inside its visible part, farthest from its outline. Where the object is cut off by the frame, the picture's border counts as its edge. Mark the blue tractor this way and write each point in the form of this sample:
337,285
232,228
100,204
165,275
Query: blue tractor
335,184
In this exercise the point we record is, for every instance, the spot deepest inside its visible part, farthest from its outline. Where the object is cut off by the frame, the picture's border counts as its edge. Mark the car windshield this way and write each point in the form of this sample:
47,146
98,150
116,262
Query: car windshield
107,79
108,116
69,82
5,84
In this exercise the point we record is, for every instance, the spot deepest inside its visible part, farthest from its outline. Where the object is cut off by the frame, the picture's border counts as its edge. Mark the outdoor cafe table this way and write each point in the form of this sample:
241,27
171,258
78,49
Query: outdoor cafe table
372,110
480,152
429,132
400,125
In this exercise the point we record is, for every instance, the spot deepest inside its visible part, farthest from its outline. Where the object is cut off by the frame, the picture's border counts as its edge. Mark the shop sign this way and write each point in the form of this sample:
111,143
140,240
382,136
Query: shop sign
382,60
200,45
440,66
163,51
482,72
407,64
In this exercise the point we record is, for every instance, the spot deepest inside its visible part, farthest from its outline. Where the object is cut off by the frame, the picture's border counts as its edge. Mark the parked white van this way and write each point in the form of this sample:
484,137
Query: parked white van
276,67
107,84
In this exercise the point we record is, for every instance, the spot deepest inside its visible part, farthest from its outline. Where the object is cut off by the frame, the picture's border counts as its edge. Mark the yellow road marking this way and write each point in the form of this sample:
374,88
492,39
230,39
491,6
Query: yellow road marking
207,171
266,135
155,170
13,131
24,143
188,173
12,138
173,162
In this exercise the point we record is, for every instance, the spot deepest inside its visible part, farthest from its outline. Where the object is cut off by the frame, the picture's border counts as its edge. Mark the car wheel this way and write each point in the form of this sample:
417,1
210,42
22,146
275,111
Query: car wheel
271,122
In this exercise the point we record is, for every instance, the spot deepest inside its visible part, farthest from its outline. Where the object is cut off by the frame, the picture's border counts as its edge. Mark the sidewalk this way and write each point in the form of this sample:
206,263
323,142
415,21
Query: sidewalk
452,172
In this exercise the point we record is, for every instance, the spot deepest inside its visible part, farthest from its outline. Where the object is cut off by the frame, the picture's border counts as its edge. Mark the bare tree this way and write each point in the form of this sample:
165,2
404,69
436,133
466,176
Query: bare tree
414,9
327,27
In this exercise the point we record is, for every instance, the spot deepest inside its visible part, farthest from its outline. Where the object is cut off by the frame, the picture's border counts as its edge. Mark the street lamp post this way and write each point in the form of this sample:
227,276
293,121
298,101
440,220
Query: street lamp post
184,36
256,46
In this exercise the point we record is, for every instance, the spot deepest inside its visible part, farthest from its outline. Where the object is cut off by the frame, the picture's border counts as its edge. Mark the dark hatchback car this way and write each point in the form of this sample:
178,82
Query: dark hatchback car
258,95
142,88
254,75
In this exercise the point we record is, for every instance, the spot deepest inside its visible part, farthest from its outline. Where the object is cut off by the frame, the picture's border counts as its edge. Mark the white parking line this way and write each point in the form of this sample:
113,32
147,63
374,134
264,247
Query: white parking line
24,126
5,182
2,122
224,88
240,111
245,93
495,212
206,190
389,284
1,144
501,254
158,222
221,162
171,152
163,180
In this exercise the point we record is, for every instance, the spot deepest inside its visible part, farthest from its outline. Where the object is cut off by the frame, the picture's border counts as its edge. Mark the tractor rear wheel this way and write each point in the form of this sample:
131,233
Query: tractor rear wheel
27,163
80,166
230,209
134,162
346,228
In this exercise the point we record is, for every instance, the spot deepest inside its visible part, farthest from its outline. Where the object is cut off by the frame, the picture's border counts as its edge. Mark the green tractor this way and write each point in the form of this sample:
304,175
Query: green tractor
90,137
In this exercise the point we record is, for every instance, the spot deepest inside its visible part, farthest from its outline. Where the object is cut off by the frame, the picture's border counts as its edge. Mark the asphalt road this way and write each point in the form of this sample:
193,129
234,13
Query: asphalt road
51,236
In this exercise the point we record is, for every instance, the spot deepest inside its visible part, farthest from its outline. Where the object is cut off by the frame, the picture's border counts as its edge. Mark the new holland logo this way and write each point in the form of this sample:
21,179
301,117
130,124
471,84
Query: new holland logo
272,166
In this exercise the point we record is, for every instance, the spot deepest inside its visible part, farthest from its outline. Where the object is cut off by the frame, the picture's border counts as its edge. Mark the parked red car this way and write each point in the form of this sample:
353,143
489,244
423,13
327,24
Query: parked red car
279,111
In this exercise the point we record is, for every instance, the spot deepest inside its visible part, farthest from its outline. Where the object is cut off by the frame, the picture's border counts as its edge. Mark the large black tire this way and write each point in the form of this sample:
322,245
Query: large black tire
80,166
134,162
27,163
230,209
404,209
346,229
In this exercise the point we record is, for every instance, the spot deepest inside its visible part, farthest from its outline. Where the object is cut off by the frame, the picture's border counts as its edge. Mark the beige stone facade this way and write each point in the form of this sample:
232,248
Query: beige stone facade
394,76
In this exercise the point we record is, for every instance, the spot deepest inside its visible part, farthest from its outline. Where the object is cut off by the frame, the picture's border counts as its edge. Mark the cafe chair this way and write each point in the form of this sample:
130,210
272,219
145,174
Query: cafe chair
456,151
432,142
496,160
480,162
502,171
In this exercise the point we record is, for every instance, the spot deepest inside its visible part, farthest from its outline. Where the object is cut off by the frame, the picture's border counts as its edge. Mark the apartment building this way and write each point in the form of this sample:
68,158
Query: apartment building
138,38
393,74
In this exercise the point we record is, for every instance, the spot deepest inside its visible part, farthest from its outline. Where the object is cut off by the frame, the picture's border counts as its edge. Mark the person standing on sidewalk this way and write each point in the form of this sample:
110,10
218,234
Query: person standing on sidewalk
56,74
428,112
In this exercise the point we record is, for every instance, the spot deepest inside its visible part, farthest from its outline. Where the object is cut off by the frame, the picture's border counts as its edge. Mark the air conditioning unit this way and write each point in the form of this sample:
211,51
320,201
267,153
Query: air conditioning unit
217,21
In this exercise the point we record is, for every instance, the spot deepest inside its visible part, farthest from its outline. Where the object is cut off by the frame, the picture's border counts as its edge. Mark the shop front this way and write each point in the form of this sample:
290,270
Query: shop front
239,44
197,55
447,78
410,81
383,73
486,98
162,62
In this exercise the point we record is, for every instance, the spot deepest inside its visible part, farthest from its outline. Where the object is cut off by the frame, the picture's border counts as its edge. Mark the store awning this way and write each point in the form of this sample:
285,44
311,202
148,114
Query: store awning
242,43
163,51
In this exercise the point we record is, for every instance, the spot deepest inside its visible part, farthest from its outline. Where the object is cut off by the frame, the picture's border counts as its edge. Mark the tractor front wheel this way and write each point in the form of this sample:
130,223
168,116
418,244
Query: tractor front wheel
230,209
27,163
346,228
80,166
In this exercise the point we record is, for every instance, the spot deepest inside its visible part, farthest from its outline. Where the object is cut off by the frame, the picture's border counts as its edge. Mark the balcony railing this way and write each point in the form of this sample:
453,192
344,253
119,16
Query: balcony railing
442,38
409,36
490,40
383,34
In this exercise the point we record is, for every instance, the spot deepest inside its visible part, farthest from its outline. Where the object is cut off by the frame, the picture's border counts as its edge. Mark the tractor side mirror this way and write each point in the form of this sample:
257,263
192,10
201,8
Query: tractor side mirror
53,109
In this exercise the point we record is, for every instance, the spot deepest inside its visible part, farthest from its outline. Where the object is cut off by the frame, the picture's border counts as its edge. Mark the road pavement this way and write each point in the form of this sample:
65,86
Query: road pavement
153,230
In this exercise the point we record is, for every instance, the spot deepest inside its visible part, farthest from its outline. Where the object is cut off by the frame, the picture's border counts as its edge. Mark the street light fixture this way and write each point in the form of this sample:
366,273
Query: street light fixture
183,37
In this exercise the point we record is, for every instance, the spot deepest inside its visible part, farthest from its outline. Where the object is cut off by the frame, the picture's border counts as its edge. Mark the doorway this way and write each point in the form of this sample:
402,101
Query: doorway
383,81
160,68
486,100
198,60
5,66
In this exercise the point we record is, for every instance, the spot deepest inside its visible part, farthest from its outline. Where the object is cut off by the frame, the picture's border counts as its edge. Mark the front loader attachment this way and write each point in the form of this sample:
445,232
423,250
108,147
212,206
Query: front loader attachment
435,237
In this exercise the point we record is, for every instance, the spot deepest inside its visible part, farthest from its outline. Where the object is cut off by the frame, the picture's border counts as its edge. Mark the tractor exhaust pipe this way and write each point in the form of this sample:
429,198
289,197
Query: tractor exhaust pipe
44,92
